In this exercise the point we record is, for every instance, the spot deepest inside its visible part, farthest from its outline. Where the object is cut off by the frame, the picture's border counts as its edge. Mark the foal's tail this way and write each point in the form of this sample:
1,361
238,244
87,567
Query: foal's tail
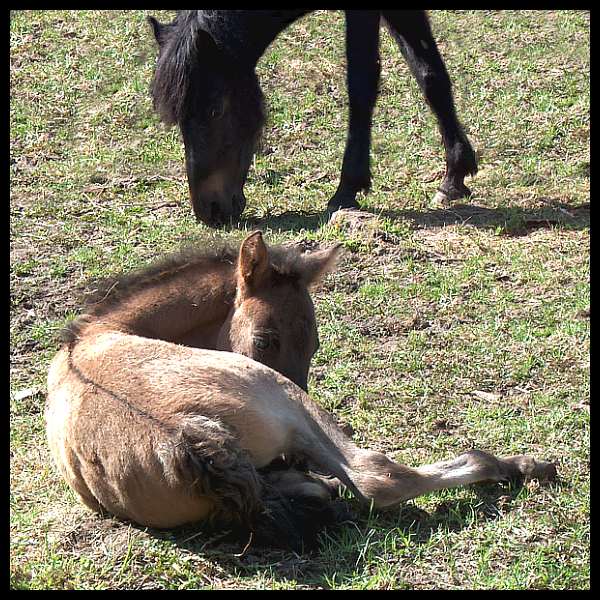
278,506
292,520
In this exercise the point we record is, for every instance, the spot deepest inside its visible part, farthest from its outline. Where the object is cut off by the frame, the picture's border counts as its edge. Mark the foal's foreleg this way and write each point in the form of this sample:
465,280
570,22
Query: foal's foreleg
476,466
413,34
362,54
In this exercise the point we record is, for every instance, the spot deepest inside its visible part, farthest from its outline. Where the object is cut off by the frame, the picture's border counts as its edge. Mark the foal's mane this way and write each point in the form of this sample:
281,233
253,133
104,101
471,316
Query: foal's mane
102,295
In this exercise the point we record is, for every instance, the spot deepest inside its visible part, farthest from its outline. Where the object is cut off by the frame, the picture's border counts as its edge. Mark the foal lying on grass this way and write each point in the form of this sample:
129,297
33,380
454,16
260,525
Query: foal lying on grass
165,434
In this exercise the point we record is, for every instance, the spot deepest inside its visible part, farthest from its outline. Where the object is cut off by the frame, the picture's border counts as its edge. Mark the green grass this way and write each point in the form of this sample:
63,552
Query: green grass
441,330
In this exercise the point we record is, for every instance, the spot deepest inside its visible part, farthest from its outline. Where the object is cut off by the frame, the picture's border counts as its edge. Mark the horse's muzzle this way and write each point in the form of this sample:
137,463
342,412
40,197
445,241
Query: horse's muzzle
216,212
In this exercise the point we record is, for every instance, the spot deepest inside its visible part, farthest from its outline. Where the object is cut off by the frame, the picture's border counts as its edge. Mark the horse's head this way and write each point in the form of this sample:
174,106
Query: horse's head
273,317
218,105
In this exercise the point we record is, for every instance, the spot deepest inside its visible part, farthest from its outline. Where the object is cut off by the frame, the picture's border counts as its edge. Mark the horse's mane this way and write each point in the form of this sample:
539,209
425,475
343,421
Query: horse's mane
240,35
102,295
171,81
171,77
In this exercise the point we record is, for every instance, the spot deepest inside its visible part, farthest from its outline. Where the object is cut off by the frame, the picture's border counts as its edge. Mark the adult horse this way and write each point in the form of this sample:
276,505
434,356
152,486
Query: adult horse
165,434
205,82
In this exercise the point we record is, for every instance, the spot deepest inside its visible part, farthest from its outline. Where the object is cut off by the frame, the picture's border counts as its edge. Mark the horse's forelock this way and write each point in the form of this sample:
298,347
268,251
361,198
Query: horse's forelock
170,83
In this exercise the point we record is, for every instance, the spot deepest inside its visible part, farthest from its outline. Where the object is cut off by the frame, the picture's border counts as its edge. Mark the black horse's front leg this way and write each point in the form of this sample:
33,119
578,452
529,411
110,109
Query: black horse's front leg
362,54
412,32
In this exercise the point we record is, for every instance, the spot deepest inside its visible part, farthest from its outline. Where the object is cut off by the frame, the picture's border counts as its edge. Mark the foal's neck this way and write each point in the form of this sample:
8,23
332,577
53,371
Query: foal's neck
187,307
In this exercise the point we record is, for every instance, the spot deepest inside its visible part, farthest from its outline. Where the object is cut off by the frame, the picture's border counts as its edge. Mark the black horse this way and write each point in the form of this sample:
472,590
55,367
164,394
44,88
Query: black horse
205,81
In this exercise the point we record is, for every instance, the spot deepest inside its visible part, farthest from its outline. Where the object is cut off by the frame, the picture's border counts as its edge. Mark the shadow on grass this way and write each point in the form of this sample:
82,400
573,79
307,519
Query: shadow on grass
289,220
349,548
509,220
344,552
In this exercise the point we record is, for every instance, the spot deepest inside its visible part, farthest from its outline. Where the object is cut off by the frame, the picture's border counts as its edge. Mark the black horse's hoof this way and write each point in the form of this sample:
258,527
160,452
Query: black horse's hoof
445,195
347,200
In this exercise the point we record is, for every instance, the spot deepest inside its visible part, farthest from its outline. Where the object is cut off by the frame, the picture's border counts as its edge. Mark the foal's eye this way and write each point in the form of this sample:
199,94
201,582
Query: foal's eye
261,342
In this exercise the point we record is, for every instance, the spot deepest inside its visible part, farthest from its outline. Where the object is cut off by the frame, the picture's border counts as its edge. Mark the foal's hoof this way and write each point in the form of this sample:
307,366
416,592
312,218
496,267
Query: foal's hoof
529,468
544,471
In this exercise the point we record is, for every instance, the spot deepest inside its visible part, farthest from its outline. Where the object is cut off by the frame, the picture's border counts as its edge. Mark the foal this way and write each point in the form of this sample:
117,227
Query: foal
165,434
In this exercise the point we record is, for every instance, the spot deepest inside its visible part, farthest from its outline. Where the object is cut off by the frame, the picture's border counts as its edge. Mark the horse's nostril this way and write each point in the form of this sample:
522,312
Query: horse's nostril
215,212
238,204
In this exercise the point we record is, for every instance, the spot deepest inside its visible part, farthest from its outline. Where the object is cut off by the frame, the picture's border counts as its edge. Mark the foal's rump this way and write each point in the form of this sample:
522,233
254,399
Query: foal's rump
164,434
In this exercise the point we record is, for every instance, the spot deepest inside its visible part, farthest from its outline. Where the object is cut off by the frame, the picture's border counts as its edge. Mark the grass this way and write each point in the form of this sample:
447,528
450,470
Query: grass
441,330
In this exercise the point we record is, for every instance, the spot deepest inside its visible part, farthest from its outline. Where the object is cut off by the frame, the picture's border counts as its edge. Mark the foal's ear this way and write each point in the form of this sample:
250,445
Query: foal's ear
253,263
317,264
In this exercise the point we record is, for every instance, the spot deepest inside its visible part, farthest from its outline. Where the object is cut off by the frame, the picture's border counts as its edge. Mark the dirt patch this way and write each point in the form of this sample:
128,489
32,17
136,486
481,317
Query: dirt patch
377,327
94,534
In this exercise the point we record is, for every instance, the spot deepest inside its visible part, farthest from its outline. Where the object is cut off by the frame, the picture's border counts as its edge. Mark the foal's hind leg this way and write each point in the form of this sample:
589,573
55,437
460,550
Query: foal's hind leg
362,54
413,34
477,466
386,483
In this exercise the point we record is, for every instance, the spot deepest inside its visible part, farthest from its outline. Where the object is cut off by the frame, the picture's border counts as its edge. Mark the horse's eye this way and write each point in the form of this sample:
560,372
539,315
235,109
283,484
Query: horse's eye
262,342
216,112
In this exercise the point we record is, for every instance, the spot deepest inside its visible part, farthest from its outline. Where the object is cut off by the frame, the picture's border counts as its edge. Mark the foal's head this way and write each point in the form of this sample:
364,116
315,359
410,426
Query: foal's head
273,317
218,105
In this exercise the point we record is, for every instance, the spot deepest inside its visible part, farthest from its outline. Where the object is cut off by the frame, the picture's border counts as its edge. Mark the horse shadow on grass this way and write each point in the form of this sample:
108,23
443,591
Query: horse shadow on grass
348,547
509,220
290,220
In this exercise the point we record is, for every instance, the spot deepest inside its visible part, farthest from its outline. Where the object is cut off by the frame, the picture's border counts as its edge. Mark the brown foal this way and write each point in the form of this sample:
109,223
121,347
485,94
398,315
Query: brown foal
149,419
